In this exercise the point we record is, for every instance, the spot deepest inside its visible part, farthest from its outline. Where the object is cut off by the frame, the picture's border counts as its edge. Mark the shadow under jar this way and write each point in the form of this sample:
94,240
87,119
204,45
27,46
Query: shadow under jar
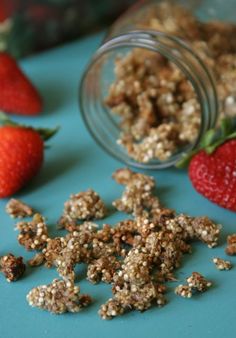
164,75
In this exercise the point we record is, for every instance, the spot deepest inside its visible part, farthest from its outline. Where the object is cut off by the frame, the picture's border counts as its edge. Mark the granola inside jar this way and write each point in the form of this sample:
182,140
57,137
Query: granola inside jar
163,76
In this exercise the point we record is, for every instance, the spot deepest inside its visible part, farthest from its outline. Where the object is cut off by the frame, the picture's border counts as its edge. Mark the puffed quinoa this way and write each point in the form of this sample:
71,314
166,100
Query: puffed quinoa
184,291
198,282
156,106
34,234
84,206
18,209
58,297
222,264
231,245
12,267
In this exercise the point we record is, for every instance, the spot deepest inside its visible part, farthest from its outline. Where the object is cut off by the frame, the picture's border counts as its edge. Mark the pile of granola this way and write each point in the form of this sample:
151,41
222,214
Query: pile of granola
137,256
157,107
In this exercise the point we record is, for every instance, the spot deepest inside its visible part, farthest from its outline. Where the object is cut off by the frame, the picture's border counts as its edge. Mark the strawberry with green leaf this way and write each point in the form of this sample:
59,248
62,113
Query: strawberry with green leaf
212,167
21,154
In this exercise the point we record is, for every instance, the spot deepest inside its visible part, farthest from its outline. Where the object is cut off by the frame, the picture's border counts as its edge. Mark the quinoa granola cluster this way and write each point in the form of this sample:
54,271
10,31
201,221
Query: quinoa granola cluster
18,209
82,206
157,107
231,245
137,256
58,297
222,264
33,235
195,283
12,267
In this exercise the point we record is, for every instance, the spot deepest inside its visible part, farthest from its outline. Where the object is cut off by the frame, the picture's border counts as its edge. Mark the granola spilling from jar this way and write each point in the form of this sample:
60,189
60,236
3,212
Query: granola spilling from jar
157,108
137,256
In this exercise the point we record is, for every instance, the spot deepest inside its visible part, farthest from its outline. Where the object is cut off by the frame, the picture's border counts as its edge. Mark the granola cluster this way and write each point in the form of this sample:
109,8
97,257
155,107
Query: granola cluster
157,108
137,255
222,264
231,245
196,282
85,205
12,267
58,297
18,209
34,234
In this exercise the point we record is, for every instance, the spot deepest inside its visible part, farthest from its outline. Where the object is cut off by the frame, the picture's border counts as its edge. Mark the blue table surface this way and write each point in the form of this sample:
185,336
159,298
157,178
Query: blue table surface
75,163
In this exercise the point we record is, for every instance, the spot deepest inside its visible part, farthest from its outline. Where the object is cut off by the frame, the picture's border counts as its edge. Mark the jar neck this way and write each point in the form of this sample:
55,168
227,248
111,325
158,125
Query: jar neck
176,51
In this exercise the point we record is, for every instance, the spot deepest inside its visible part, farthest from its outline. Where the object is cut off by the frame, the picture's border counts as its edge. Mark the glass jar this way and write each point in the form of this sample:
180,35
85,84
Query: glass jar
152,42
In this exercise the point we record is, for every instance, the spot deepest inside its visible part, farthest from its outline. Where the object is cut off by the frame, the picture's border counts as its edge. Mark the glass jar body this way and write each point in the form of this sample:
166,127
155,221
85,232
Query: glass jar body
174,36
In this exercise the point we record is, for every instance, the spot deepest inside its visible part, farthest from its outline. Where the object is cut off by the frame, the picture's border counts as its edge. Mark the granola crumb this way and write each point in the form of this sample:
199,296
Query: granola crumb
37,260
58,297
34,234
110,309
222,264
231,245
184,291
12,267
18,209
198,282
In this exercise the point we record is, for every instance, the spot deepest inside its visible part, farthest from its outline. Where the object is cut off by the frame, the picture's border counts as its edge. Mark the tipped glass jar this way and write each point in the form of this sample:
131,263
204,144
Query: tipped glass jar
163,76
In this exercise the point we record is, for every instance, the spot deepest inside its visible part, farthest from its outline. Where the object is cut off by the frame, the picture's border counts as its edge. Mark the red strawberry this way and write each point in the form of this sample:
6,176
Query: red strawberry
21,155
212,168
17,94
214,175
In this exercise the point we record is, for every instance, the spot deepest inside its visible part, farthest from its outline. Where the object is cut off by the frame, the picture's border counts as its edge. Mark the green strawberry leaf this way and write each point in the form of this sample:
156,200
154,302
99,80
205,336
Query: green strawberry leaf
45,133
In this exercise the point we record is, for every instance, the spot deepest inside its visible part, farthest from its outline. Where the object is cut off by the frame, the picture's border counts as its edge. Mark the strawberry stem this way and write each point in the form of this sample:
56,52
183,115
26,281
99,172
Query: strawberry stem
45,133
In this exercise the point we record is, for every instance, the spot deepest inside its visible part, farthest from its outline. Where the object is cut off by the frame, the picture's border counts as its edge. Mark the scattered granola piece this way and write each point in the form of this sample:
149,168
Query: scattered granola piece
111,309
12,267
206,230
184,291
84,206
37,260
222,264
198,282
231,245
34,234
58,297
137,194
18,209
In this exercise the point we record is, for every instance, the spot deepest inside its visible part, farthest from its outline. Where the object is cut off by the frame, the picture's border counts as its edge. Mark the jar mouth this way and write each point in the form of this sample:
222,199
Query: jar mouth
98,119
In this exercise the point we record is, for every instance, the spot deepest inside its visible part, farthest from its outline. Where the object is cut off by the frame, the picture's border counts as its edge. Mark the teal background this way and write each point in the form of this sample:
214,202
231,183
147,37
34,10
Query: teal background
75,163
